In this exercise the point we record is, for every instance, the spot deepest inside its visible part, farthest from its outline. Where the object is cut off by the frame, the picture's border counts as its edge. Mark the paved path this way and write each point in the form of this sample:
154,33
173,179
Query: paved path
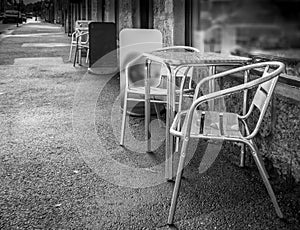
5,27
61,166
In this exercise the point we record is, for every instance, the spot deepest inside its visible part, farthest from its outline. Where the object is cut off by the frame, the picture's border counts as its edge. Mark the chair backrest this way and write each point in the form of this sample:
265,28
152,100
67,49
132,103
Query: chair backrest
265,91
134,42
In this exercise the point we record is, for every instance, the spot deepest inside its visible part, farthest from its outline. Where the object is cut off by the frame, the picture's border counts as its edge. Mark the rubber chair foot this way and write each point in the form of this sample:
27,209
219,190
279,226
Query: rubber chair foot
172,227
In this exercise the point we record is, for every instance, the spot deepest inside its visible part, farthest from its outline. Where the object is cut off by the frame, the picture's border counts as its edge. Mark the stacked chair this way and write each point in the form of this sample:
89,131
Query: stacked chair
79,39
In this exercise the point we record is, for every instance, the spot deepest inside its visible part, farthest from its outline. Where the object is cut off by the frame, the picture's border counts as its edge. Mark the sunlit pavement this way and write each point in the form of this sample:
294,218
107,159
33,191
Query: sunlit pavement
10,26
6,27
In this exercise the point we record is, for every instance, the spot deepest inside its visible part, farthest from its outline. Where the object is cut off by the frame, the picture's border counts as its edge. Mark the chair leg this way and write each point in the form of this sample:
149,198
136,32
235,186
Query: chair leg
259,156
158,115
242,156
79,56
70,54
87,55
264,176
75,57
147,125
263,165
179,122
177,182
123,119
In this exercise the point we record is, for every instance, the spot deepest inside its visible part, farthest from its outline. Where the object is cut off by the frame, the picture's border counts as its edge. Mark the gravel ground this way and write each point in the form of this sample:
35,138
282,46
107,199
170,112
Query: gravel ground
47,182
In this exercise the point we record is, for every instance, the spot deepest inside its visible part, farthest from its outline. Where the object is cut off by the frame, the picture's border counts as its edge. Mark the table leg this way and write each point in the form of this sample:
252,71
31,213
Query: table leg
169,119
147,107
243,147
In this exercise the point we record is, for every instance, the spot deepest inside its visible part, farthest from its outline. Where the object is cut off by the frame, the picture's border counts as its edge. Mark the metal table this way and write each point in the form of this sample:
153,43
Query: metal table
173,61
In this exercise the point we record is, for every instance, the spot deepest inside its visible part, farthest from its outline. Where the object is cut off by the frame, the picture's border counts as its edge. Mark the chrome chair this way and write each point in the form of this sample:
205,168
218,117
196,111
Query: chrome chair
227,126
82,42
80,25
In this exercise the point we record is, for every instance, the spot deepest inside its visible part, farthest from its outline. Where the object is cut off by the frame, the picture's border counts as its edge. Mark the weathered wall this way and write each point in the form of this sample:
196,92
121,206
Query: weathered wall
125,14
163,13
179,22
109,11
279,137
96,10
285,142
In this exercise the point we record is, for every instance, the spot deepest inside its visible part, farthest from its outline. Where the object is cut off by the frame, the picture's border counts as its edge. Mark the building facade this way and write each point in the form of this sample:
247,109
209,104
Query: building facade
3,4
210,25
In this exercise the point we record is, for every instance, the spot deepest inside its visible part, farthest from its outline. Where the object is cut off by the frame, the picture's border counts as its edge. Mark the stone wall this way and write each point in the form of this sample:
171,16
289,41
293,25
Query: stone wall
163,14
109,11
125,14
163,17
94,10
283,148
279,137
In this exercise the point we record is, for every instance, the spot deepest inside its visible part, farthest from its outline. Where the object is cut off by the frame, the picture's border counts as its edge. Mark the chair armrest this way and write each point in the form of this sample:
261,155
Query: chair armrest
228,73
82,34
241,87
174,126
130,63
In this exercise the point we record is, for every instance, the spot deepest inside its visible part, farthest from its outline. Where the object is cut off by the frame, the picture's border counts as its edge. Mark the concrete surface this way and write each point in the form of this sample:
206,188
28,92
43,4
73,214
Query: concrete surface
45,44
45,61
5,27
51,178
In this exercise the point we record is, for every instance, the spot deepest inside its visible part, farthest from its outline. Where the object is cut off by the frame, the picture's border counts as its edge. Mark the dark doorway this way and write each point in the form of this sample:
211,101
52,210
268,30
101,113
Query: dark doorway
146,14
117,18
188,22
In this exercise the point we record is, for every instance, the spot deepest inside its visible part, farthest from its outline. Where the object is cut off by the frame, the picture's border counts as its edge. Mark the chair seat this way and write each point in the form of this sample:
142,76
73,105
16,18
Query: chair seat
154,91
212,124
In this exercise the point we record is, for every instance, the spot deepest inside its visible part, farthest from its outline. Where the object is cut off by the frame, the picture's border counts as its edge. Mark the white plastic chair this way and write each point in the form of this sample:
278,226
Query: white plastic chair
134,42
224,125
